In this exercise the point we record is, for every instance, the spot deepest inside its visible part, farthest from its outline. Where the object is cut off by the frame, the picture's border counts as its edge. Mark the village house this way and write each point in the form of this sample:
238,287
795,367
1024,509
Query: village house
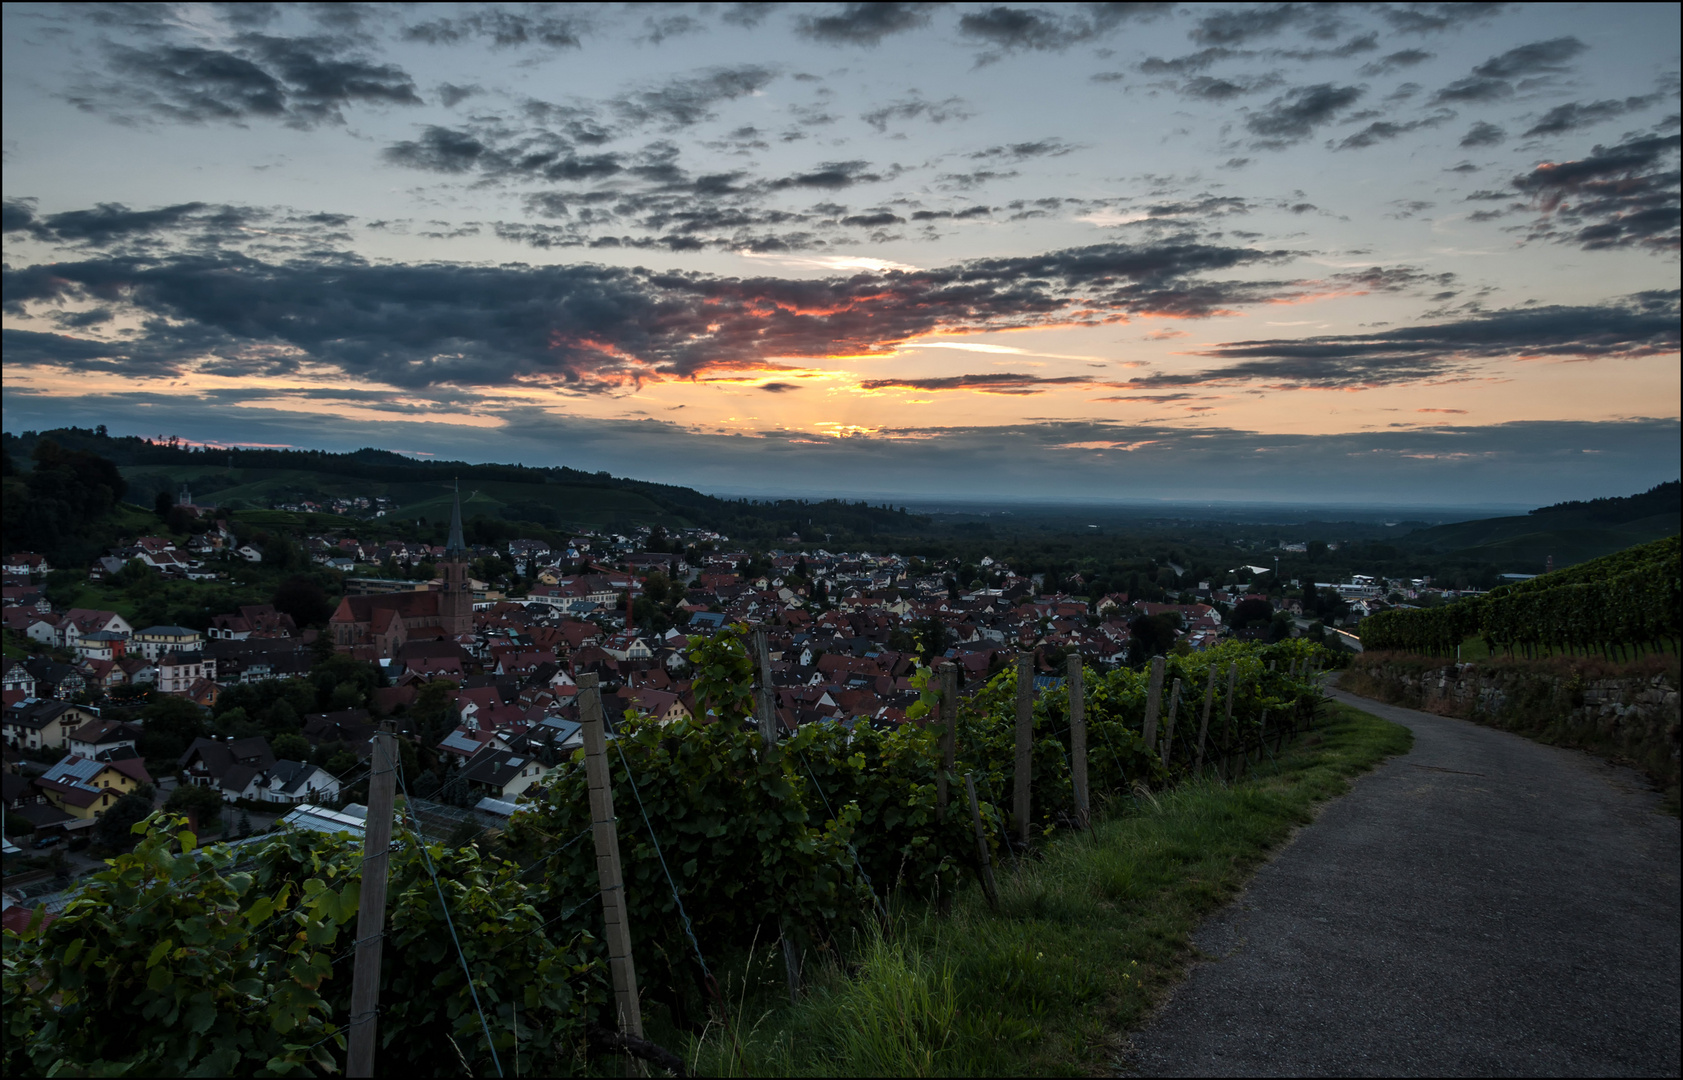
85,789
253,620
100,739
228,766
78,621
501,774
154,641
43,725
178,672
292,782
25,563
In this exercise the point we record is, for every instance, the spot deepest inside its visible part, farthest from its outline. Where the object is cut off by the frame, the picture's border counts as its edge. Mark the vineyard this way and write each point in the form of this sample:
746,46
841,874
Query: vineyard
228,962
1619,603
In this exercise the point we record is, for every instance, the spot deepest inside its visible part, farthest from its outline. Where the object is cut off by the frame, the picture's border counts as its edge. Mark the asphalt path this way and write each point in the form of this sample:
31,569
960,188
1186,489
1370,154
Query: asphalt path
1483,905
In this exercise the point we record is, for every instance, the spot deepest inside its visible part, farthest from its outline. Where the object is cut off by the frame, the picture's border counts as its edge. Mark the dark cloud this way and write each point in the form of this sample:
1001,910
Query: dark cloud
1210,88
996,383
689,101
747,15
587,326
1537,58
865,24
1011,29
1493,80
1362,43
1293,116
830,176
1581,114
301,81
1384,130
1483,134
1236,26
778,387
170,227
1642,325
1180,65
452,95
1024,150
1395,61
535,24
1617,197
1435,18
936,112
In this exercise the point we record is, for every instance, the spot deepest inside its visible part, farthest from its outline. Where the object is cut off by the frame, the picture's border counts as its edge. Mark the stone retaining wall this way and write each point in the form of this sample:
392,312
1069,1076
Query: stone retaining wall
1631,716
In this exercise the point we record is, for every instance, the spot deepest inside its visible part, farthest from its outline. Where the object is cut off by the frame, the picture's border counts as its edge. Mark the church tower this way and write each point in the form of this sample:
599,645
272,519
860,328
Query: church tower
455,606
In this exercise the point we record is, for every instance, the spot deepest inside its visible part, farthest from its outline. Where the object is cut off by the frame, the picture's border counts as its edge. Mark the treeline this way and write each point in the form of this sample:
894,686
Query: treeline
1666,498
1625,601
748,518
57,507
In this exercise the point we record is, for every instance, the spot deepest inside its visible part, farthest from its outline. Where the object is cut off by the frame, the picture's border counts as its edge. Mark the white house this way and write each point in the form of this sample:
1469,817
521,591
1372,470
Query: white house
290,782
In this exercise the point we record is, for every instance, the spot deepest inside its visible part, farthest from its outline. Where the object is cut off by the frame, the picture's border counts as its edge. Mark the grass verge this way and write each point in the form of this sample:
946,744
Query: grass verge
1087,939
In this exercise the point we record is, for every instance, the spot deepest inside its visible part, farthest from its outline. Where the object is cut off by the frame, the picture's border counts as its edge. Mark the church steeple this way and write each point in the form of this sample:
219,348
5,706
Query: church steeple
456,547
455,605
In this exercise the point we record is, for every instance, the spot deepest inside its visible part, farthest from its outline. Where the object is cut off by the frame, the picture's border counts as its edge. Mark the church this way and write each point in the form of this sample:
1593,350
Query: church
384,623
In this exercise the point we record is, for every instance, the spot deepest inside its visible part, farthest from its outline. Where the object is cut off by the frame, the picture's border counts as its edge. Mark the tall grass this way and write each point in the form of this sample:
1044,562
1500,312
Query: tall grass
1088,936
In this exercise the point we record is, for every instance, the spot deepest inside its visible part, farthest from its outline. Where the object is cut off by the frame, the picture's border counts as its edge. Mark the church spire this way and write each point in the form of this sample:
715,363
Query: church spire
456,547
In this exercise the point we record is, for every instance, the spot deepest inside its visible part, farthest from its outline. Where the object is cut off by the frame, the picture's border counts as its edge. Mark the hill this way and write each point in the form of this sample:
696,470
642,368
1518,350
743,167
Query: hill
1571,532
557,498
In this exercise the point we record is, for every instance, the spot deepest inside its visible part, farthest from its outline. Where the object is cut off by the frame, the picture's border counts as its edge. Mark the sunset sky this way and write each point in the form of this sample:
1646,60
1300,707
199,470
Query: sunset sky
1404,253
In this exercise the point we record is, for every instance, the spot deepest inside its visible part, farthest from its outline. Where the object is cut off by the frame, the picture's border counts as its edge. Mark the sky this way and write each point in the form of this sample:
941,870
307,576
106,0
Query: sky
1421,254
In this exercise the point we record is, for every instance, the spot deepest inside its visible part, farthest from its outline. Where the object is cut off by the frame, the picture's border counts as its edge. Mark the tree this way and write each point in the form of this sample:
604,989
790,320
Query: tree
115,823
161,503
303,598
291,747
1152,635
1249,612
170,725
206,802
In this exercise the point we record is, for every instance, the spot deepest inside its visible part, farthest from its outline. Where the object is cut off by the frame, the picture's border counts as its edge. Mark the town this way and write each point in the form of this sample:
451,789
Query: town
481,676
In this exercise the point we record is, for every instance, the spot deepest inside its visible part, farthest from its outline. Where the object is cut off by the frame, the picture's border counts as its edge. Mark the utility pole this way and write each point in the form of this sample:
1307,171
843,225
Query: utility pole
371,906
1022,776
609,878
1078,742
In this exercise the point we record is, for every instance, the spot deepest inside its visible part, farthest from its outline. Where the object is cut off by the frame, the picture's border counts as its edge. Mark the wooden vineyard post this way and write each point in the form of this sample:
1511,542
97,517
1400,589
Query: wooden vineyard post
765,711
765,702
1153,702
371,909
984,860
1204,724
605,833
1227,720
1022,777
948,674
1078,743
1169,732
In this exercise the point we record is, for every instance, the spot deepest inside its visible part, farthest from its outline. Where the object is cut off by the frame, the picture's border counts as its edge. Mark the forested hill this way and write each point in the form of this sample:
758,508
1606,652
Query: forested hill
1570,532
1661,499
552,497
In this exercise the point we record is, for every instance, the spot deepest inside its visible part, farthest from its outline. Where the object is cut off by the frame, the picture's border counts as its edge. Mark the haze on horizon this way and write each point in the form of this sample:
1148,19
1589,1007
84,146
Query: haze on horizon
1422,254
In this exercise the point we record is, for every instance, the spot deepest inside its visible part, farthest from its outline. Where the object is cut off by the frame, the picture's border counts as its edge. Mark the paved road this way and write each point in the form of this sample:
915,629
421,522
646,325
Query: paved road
1481,906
